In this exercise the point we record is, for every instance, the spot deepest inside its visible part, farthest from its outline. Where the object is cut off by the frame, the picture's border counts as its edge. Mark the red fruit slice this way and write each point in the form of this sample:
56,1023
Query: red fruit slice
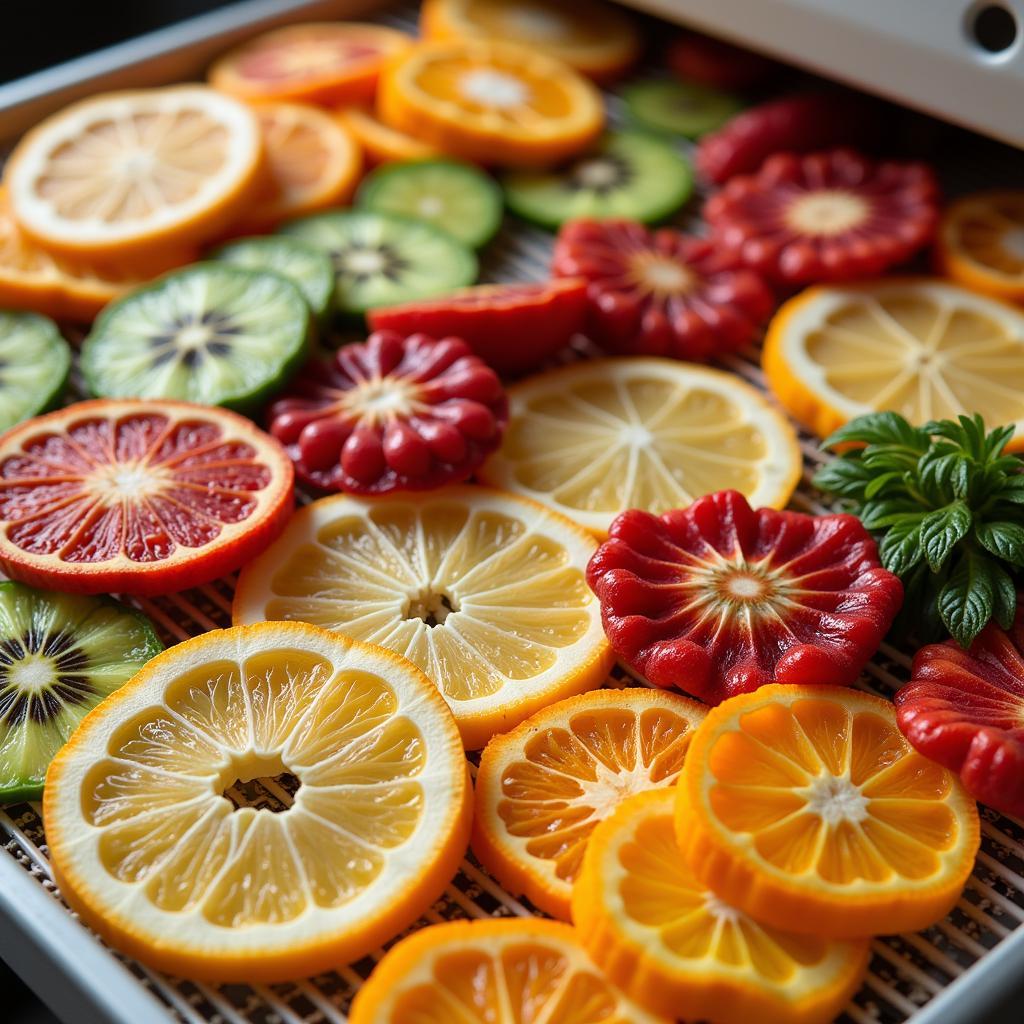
695,57
392,413
138,497
965,709
718,599
832,216
512,327
661,293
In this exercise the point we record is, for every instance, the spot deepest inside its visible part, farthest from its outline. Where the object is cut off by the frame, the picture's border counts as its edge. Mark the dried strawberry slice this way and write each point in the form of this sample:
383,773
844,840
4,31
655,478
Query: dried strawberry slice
718,599
831,216
392,413
965,709
661,292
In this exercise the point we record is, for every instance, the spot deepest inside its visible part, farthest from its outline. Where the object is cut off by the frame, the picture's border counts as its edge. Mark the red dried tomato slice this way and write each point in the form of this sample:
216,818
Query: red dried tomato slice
695,57
512,327
965,709
661,292
392,413
718,599
831,216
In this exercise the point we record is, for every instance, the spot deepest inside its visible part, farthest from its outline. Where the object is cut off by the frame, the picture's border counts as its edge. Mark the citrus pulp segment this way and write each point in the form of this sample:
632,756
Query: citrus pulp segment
483,591
806,808
140,497
542,788
134,171
34,365
519,971
597,437
678,949
924,348
157,857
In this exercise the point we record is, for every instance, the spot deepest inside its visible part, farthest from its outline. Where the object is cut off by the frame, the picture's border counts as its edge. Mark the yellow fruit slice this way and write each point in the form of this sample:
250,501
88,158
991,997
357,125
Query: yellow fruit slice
494,102
543,787
981,243
381,143
134,171
669,942
921,347
370,815
595,438
483,591
518,971
806,808
596,39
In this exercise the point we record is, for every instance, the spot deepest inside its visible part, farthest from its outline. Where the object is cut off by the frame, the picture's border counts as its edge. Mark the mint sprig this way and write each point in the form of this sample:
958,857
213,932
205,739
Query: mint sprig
946,504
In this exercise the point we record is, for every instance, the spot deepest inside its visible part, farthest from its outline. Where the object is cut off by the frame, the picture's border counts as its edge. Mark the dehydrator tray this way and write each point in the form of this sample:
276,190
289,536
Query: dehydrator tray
953,973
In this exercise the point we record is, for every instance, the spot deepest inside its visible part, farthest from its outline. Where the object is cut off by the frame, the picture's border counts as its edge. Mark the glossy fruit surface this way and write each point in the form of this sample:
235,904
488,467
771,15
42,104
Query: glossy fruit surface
965,710
542,788
661,293
34,364
142,497
807,809
512,327
394,413
719,599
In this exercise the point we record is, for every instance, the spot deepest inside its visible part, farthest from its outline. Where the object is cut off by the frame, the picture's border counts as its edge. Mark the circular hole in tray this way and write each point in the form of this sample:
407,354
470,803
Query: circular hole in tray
992,27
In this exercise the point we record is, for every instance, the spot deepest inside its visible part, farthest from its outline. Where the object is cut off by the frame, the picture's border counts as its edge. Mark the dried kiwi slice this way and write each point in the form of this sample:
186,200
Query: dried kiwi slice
60,655
306,267
453,196
34,364
679,108
628,174
381,259
212,333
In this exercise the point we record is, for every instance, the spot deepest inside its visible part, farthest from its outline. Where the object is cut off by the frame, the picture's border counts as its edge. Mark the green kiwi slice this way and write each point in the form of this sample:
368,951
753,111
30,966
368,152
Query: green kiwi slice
307,268
60,655
453,196
628,174
679,108
213,333
381,259
34,364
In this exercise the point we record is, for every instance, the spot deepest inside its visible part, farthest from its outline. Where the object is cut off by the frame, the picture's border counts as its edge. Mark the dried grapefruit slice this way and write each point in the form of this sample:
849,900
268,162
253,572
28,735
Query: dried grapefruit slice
364,818
134,171
498,972
543,787
678,949
382,143
140,497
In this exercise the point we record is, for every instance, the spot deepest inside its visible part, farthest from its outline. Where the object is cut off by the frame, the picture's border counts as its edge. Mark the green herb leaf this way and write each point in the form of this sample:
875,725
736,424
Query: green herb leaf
1005,594
967,600
1003,539
845,477
942,530
878,515
879,428
900,548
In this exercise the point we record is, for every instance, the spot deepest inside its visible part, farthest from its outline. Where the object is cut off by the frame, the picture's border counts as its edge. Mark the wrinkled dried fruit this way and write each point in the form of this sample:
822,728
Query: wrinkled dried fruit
831,216
661,292
392,413
965,709
719,599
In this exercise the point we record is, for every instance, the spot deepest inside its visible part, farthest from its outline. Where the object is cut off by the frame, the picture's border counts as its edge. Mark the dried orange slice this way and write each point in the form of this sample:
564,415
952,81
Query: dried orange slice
924,348
678,949
806,808
320,62
543,787
135,171
596,39
981,243
523,971
363,819
494,102
381,143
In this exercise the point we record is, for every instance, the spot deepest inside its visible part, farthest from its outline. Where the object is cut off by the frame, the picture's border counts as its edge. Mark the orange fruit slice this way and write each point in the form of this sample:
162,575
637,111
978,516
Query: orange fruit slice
980,243
363,819
520,971
596,39
320,62
494,102
924,348
381,143
678,949
483,591
806,808
135,171
313,163
543,787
